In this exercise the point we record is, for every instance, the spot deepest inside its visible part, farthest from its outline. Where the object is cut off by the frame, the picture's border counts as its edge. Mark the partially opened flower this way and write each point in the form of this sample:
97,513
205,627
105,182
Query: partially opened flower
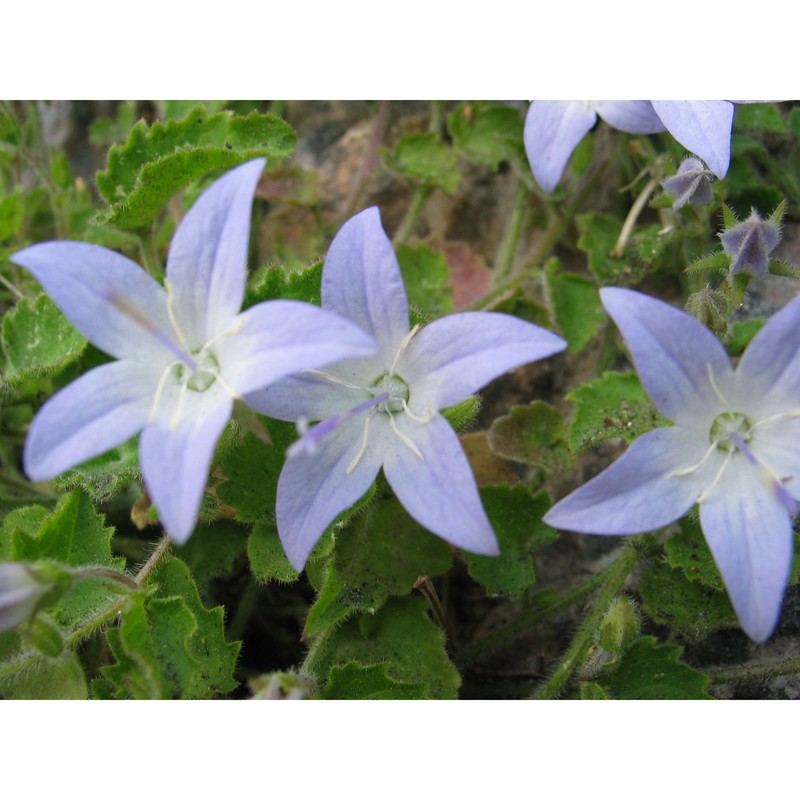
734,449
20,593
750,243
690,184
382,412
184,351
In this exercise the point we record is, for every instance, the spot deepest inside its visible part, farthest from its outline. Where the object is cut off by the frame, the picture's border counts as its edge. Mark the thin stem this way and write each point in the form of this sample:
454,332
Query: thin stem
149,250
576,652
155,559
754,672
504,261
244,610
10,286
102,572
633,215
412,216
314,655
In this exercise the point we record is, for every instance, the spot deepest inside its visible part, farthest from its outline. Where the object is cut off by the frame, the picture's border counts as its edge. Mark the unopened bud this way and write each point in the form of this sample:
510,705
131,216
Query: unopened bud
749,243
691,184
620,626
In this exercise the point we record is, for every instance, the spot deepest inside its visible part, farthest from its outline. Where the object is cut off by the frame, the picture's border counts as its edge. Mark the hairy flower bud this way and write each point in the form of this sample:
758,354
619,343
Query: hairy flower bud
749,243
691,184
620,626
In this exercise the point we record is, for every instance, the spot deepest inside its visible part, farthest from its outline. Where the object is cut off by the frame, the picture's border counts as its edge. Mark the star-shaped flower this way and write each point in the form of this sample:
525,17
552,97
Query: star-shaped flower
749,244
184,351
553,129
733,449
382,412
690,184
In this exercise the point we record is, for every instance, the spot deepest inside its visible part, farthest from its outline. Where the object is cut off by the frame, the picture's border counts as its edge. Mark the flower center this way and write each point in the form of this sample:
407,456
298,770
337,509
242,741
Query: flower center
203,376
727,427
396,388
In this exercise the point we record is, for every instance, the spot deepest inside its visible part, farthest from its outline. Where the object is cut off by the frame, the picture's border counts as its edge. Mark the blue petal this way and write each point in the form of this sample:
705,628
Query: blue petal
94,286
313,489
674,355
283,337
439,490
361,281
207,262
769,370
454,356
631,116
701,126
640,492
750,535
100,410
175,452
553,129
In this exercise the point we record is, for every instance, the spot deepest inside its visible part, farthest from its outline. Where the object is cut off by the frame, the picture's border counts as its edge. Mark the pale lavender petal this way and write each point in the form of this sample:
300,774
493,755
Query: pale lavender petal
175,453
455,356
110,299
98,411
313,489
640,491
283,337
675,355
553,129
631,116
20,593
776,444
207,262
361,281
749,533
439,490
769,370
691,184
701,126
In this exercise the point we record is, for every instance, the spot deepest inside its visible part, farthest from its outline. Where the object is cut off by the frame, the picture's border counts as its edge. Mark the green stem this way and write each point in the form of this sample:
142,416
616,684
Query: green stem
244,610
412,216
504,261
527,619
149,250
320,643
615,577
755,672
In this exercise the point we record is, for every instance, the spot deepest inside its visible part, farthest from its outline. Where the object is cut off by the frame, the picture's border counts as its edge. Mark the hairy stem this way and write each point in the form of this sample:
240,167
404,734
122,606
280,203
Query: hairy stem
504,261
615,577
754,672
413,214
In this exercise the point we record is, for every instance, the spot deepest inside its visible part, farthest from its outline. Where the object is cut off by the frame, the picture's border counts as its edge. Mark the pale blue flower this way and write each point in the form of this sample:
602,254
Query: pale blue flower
20,593
382,412
749,244
690,184
184,351
553,129
734,449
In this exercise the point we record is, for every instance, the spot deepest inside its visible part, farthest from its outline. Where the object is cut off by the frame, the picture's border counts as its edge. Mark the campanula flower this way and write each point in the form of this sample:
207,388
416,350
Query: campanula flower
734,449
690,184
383,411
749,244
184,352
553,129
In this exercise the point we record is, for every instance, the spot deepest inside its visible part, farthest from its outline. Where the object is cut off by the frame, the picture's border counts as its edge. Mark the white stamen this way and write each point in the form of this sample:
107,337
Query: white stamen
400,350
404,439
361,450
704,495
427,418
171,314
332,378
681,472
795,412
176,417
151,417
714,385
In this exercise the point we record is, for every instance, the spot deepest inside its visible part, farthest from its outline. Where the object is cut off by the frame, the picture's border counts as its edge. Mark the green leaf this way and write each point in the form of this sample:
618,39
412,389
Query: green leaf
251,473
50,679
155,163
652,671
759,118
38,339
267,558
742,334
688,607
532,434
714,261
106,475
423,159
614,405
598,236
462,414
277,283
23,522
10,216
516,517
380,553
487,134
593,691
427,280
212,549
576,304
354,682
401,636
